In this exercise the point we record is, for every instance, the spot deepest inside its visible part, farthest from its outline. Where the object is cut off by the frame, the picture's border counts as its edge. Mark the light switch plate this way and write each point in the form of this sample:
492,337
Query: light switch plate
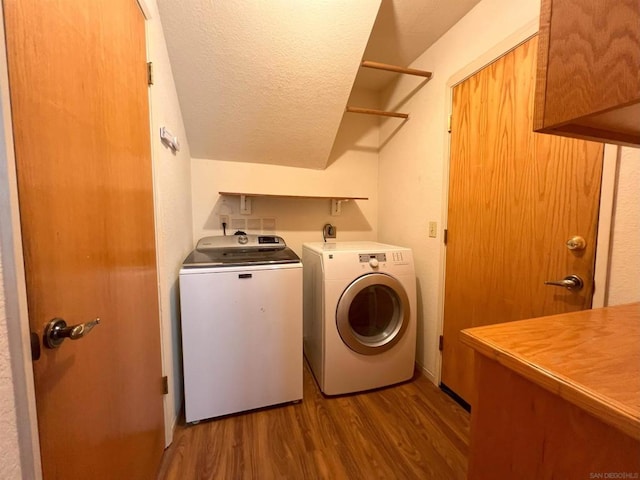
433,229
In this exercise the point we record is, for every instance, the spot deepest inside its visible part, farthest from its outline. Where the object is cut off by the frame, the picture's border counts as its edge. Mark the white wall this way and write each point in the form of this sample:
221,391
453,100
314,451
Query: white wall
412,163
172,197
624,266
9,447
352,172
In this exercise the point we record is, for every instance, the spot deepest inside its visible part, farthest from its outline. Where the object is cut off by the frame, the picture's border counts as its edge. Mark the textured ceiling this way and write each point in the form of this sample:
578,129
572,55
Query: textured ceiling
403,30
267,81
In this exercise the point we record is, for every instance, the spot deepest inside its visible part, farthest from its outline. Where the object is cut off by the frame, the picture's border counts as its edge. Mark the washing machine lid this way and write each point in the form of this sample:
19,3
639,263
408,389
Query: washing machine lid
240,250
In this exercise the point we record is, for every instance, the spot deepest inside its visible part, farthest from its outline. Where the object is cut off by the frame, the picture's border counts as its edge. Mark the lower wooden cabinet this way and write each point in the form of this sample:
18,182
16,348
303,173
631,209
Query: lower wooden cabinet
520,430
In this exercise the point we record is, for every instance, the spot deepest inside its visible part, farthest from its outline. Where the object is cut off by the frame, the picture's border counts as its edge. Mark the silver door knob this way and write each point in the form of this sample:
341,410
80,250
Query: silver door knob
570,282
57,330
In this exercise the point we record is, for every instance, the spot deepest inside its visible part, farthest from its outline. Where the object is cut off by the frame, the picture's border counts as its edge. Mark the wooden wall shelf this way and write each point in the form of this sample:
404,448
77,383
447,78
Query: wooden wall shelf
245,200
389,68
316,197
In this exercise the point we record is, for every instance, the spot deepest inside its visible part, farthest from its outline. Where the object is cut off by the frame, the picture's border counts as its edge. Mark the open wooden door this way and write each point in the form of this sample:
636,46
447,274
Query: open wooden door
515,199
77,78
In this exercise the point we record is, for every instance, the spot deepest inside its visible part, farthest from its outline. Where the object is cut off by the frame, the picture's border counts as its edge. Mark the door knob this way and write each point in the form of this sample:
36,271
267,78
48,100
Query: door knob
57,330
571,282
576,243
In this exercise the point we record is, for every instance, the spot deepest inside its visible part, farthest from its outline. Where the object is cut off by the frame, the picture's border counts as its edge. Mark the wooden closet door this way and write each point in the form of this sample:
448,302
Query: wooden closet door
515,198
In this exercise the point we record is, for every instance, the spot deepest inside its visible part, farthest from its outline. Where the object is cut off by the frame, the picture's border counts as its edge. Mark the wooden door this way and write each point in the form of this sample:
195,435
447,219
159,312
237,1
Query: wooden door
515,198
77,78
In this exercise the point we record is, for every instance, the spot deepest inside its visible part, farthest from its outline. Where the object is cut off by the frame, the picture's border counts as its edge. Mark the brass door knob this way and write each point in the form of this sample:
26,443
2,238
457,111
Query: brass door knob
576,243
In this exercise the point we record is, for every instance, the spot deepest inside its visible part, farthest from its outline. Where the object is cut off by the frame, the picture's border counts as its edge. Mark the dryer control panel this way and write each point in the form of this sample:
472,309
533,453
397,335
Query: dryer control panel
367,257
374,259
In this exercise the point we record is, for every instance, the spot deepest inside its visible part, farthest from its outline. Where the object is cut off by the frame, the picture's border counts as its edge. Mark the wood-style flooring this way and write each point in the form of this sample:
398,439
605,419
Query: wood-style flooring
407,431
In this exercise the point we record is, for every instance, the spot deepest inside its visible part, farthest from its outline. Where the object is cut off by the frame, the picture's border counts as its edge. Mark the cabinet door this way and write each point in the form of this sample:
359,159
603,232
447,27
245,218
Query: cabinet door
588,79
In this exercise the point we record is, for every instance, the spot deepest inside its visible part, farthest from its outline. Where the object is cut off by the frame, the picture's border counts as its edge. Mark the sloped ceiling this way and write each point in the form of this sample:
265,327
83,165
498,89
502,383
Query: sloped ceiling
404,29
267,81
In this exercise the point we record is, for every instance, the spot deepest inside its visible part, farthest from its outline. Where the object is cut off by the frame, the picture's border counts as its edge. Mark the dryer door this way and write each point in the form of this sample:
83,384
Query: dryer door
373,313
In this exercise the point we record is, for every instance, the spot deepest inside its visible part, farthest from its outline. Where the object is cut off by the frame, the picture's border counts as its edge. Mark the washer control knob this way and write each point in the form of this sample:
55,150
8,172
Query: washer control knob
373,262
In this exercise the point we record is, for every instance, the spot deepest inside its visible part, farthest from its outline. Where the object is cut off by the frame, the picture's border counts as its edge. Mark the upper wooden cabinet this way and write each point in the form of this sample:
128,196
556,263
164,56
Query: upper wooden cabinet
588,83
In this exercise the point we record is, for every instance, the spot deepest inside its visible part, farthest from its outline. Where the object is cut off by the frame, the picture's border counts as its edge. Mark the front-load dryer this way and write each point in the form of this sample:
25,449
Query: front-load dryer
359,315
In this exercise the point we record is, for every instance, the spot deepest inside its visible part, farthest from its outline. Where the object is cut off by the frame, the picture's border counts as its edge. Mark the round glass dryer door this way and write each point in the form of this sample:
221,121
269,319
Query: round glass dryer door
373,313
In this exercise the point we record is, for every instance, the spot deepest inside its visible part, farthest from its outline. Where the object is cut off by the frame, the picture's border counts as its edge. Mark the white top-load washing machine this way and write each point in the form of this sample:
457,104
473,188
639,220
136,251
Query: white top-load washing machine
241,304
359,315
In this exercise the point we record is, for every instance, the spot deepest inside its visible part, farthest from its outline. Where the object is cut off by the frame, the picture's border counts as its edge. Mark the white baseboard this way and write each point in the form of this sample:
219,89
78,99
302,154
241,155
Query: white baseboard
429,375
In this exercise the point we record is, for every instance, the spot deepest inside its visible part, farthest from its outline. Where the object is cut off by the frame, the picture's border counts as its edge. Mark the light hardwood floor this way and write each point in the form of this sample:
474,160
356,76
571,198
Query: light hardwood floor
408,431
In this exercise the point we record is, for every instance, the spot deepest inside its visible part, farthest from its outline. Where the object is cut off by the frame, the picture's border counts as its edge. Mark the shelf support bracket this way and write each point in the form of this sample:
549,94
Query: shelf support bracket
245,205
336,207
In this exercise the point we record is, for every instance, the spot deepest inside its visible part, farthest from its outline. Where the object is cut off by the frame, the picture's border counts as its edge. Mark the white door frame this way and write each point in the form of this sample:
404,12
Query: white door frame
15,292
607,190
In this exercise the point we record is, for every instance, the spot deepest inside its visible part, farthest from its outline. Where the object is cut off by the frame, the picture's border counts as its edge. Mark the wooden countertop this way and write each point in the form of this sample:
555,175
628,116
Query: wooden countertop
590,358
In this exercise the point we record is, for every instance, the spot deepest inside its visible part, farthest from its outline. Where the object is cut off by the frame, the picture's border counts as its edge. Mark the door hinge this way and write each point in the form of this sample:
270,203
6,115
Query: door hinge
445,236
441,342
165,385
449,123
149,73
